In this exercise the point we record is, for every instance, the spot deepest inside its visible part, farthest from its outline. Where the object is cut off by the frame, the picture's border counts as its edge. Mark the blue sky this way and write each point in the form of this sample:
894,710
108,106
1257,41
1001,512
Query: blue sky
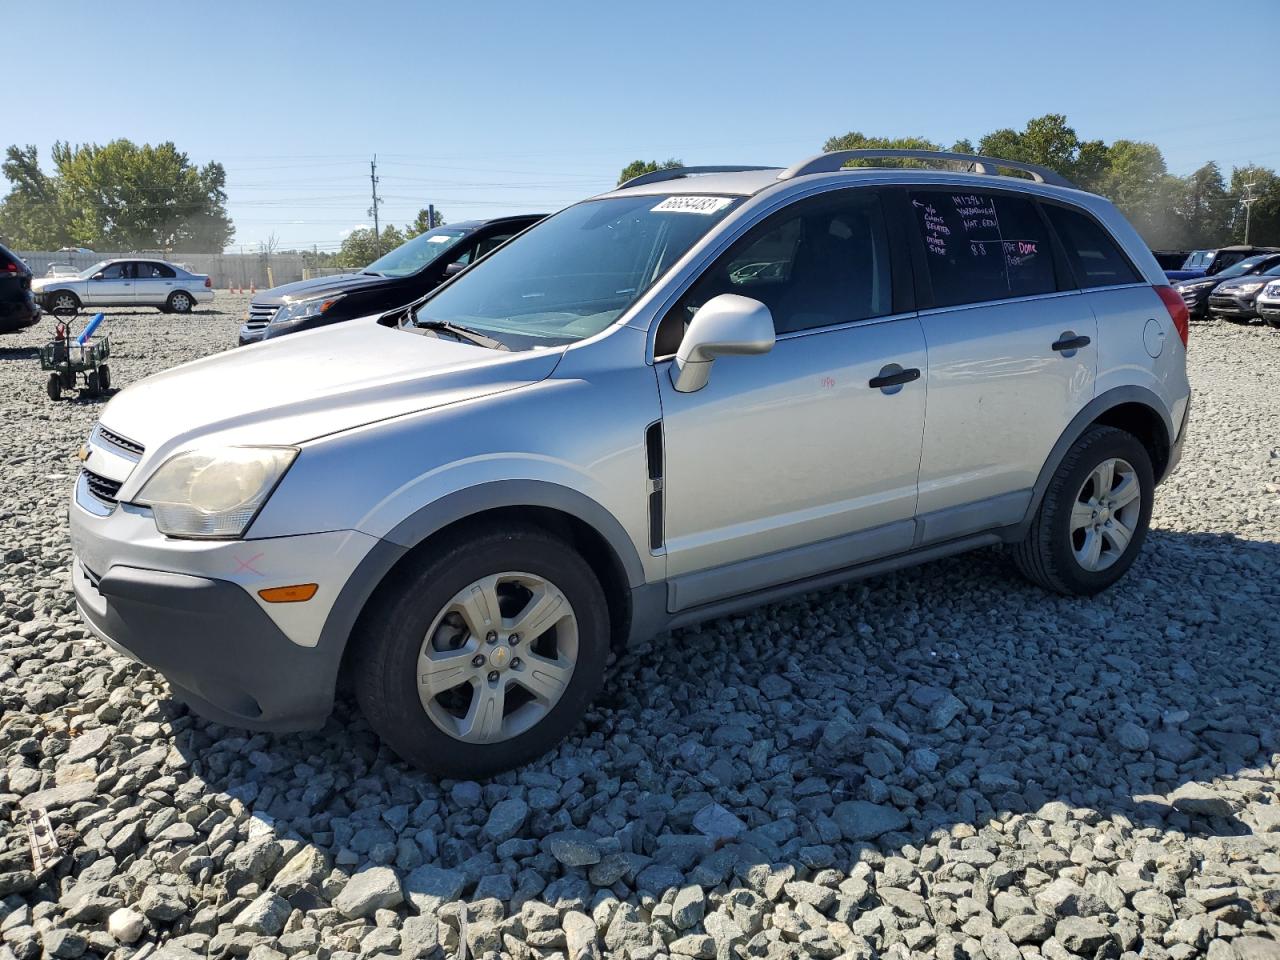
496,107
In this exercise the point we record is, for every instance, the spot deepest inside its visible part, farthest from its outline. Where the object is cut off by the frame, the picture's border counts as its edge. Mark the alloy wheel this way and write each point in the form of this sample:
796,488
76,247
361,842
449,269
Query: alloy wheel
498,657
1104,516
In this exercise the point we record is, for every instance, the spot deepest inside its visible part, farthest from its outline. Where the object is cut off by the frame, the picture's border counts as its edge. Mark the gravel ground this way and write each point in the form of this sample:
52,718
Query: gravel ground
942,762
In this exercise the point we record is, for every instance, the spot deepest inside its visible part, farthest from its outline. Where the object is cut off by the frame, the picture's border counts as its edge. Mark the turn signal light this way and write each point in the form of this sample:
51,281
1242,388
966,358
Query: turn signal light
294,594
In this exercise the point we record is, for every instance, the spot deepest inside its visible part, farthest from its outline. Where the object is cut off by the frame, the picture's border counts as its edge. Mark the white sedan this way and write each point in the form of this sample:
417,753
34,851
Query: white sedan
125,283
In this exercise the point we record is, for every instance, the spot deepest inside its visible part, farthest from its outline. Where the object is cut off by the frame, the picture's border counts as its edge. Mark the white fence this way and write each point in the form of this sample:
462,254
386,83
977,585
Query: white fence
227,269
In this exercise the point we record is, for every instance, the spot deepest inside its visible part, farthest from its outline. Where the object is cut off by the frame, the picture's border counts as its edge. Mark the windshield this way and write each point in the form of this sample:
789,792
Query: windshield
1198,258
100,265
417,253
1240,269
574,274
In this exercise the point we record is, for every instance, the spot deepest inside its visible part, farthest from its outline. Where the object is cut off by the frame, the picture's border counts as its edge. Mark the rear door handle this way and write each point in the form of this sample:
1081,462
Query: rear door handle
1069,342
892,376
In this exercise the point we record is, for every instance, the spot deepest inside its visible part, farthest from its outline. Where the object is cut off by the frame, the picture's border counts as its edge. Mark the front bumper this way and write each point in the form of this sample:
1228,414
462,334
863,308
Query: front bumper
1196,301
250,334
1232,306
190,609
1269,309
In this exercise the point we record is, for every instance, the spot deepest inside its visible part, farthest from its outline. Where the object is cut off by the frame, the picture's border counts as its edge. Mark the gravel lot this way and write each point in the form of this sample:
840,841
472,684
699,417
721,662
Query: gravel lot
942,762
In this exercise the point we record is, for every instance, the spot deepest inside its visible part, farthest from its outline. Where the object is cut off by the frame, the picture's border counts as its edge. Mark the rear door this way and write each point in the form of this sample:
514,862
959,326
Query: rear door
1012,354
114,286
153,282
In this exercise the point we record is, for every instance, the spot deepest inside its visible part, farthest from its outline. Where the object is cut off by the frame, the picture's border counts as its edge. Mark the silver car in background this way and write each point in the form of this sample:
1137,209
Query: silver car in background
127,282
702,391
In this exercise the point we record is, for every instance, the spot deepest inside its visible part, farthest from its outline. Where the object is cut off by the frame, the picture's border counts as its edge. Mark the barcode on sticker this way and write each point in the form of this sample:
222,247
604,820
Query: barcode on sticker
703,205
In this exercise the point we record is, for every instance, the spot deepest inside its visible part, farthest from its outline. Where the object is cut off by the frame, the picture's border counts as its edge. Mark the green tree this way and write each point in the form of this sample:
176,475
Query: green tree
855,140
422,223
638,167
1203,207
359,248
1264,213
1050,142
119,196
1135,180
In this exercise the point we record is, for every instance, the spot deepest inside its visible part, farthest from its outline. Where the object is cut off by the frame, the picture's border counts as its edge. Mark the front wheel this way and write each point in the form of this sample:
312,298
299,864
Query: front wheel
1094,515
484,654
53,387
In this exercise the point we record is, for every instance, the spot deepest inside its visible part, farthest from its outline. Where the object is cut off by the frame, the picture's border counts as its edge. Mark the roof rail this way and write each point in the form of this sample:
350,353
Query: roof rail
675,173
830,162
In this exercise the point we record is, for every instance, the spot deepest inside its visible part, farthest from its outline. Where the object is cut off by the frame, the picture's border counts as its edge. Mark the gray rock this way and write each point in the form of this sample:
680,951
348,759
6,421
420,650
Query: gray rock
126,925
947,708
575,848
1200,801
719,824
266,915
688,907
1255,948
860,820
430,887
1172,746
374,888
1028,928
506,819
1130,736
1082,935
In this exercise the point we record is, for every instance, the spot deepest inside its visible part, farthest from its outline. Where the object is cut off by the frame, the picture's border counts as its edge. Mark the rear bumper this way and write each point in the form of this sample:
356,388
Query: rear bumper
1175,451
215,645
18,316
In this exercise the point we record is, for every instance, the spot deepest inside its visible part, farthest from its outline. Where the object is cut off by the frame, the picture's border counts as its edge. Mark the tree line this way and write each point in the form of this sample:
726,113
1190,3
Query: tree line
1202,209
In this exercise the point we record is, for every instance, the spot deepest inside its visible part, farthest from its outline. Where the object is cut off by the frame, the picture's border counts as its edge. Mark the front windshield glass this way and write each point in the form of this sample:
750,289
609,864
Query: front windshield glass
1240,269
417,253
574,274
100,265
1198,258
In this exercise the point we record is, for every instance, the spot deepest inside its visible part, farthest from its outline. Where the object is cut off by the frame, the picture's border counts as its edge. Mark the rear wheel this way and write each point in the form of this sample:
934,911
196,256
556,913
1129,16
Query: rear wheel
53,387
485,653
1094,515
104,377
179,302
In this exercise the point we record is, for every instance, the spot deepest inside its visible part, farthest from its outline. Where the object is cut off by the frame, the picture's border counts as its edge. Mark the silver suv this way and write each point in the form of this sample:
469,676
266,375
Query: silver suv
702,391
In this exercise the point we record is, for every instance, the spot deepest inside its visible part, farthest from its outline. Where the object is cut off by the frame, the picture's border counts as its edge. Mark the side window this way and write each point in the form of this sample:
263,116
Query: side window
154,271
820,262
1094,257
983,247
116,271
490,243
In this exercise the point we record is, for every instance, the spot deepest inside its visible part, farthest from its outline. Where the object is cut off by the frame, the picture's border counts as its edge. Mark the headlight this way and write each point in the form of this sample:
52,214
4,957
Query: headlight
1204,285
294,311
1273,289
213,494
1246,288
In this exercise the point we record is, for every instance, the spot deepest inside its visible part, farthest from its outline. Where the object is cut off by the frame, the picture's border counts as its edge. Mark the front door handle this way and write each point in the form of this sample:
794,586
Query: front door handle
1069,343
893,376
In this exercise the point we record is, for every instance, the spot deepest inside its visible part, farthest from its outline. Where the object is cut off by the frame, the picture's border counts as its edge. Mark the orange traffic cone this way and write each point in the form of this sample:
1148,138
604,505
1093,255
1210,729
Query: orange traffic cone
253,287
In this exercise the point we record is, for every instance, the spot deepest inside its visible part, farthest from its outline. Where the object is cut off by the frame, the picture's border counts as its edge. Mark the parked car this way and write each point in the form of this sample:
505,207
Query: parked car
1195,293
1208,263
1171,259
61,270
18,307
620,422
1237,299
393,280
1269,303
127,283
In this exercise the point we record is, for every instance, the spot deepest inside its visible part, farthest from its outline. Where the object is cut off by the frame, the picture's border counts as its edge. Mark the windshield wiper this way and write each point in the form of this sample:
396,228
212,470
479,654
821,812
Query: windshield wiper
462,333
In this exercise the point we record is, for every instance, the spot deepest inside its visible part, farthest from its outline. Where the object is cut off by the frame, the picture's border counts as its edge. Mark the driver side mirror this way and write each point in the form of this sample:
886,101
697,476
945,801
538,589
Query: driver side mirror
97,276
451,268
727,325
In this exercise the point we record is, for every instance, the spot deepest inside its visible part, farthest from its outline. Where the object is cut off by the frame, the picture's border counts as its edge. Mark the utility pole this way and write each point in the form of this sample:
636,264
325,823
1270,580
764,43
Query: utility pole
373,180
1248,201
431,216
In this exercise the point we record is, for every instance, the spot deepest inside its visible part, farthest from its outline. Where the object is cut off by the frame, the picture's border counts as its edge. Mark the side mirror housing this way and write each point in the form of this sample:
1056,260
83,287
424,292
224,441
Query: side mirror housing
453,268
97,276
726,325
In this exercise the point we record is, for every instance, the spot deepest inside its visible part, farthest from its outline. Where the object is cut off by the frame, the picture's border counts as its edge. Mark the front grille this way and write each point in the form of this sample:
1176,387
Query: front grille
104,490
260,315
131,447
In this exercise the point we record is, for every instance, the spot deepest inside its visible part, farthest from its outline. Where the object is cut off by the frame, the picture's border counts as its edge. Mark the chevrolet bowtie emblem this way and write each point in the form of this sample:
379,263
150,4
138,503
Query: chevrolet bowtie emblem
83,454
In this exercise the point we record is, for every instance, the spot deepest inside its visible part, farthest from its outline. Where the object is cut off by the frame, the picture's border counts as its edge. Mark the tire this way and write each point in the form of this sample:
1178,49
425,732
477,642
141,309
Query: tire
179,302
104,378
415,615
61,299
53,387
1055,554
1273,323
91,383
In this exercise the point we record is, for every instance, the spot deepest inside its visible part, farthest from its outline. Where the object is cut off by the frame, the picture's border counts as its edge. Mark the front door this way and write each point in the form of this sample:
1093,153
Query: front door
1012,356
113,286
792,463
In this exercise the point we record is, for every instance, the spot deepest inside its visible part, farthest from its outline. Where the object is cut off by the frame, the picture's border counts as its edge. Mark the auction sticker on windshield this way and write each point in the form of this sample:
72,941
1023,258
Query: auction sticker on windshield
703,205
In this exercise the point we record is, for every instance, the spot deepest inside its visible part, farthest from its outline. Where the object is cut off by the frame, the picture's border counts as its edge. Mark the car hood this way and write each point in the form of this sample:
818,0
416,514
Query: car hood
39,283
312,384
1194,282
1227,286
318,287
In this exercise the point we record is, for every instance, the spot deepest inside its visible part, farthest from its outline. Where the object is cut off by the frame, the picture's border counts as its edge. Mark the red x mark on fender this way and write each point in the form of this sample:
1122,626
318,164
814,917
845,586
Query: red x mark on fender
243,565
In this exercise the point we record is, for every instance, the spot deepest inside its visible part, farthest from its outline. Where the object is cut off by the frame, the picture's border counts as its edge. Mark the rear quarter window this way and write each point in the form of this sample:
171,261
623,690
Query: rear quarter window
1095,258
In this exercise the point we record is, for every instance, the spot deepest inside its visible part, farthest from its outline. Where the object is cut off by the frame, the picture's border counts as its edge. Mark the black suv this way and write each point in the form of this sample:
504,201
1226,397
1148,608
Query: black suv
18,307
394,280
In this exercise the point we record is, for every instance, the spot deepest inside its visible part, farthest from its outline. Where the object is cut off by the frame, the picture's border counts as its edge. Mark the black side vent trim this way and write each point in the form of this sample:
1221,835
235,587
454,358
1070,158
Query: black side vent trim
654,458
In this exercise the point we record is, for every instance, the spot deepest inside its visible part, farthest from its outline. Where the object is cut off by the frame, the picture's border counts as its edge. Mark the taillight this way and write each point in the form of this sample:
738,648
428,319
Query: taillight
208,281
11,267
1177,311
